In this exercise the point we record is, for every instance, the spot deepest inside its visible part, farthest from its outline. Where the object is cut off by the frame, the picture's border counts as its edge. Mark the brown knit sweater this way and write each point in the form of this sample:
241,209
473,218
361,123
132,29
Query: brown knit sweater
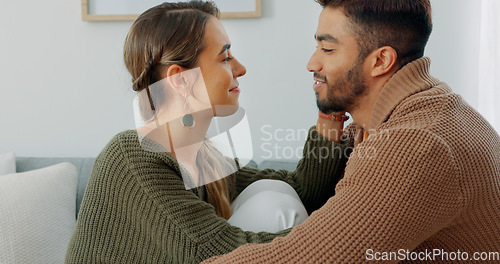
427,177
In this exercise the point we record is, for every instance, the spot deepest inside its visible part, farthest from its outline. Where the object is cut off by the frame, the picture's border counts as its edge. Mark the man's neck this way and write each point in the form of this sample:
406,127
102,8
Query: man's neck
363,109
362,112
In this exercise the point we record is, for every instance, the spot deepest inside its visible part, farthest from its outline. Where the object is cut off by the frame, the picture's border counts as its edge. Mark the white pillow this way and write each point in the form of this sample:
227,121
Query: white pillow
7,163
37,214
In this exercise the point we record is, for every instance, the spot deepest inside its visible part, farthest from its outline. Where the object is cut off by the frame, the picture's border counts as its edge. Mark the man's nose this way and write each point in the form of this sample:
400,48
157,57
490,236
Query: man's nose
313,65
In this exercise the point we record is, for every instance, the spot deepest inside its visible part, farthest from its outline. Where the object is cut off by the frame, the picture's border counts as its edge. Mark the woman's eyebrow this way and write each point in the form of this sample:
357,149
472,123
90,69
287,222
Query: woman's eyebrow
226,47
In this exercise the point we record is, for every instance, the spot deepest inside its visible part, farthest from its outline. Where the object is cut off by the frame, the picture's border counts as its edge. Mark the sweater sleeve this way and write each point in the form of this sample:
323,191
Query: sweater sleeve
399,189
321,167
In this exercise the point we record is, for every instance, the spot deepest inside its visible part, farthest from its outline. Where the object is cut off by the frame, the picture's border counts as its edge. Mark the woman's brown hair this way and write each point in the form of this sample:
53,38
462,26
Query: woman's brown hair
167,34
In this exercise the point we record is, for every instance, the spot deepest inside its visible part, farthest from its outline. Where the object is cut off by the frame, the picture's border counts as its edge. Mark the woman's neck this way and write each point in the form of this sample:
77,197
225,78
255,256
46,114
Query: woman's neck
183,143
186,157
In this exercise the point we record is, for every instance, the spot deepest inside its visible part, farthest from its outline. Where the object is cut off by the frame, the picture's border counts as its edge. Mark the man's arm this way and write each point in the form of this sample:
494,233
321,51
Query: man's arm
399,189
321,167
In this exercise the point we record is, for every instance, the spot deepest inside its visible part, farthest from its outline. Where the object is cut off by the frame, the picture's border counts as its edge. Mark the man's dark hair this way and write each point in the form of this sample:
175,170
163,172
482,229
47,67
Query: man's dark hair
405,25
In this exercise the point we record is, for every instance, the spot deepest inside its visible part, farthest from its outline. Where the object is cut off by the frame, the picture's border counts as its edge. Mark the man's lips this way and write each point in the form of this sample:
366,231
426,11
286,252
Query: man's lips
318,85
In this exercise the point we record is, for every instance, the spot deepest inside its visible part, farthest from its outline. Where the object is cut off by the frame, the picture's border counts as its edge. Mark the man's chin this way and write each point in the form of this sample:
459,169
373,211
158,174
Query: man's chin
329,108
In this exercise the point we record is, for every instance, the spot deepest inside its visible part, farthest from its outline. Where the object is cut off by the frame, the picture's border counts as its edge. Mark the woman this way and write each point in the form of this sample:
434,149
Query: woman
138,207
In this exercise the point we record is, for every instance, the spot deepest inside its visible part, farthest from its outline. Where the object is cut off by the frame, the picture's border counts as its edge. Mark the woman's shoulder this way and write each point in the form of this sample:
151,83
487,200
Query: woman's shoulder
126,138
112,153
133,140
130,144
118,143
136,149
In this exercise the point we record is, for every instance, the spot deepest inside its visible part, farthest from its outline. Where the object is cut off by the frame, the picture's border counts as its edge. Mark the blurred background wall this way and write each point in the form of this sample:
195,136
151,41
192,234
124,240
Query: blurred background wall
65,91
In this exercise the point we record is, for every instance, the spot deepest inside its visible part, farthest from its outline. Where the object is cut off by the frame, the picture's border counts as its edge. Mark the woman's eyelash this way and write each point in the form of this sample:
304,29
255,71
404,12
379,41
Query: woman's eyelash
228,58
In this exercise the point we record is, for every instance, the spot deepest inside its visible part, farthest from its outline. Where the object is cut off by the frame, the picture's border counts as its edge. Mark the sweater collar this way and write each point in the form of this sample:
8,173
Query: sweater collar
411,79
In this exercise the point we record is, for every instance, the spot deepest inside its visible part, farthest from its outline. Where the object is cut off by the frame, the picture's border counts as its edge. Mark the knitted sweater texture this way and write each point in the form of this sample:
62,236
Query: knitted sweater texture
136,208
427,177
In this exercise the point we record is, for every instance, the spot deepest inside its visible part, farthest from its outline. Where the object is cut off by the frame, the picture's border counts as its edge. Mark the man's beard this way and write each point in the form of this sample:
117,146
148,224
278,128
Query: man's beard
350,86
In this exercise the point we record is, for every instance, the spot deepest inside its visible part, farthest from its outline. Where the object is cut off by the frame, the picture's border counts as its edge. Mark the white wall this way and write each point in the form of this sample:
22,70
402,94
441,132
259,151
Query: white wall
65,91
454,45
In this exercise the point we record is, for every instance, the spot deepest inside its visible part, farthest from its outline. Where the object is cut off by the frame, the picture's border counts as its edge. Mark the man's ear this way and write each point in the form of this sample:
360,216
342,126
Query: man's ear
383,60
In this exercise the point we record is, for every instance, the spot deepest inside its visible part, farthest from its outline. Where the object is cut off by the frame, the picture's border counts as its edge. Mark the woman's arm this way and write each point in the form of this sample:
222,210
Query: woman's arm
189,227
321,167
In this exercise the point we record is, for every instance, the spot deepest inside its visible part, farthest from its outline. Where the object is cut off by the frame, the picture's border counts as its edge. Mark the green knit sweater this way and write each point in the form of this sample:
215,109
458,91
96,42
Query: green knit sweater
136,208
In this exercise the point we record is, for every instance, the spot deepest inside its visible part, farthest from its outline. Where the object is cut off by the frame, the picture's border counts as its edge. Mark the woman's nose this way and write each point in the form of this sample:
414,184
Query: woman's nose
238,69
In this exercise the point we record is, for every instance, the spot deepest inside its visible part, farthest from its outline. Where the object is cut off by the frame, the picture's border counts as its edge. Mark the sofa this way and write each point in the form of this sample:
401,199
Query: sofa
41,203
84,168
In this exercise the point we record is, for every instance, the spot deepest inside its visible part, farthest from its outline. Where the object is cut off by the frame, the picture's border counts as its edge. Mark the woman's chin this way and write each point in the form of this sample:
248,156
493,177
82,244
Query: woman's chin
226,110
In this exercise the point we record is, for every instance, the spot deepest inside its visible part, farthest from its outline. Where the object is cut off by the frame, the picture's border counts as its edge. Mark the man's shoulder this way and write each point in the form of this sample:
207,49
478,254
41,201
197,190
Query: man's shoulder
444,115
428,108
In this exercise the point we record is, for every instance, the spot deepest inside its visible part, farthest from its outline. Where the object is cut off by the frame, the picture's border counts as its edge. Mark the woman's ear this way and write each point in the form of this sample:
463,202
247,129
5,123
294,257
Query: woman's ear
176,80
383,61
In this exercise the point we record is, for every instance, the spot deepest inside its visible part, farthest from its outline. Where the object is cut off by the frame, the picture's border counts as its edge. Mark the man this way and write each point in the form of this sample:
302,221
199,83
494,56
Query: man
425,184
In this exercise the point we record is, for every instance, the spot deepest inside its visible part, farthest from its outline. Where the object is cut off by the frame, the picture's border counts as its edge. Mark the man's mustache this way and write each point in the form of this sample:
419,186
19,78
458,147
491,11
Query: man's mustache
319,77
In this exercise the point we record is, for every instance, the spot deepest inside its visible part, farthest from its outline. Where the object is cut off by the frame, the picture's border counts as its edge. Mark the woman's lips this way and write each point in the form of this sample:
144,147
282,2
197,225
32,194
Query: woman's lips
235,90
318,85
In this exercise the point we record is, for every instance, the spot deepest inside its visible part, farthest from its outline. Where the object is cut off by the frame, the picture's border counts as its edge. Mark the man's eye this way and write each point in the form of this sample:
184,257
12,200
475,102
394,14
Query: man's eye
325,50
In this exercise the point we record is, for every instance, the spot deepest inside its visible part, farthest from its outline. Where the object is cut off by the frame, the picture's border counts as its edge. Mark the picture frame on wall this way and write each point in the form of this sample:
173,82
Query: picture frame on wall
129,10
